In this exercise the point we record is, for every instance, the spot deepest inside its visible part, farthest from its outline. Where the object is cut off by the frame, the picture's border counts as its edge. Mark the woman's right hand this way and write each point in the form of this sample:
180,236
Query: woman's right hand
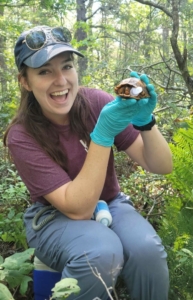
114,118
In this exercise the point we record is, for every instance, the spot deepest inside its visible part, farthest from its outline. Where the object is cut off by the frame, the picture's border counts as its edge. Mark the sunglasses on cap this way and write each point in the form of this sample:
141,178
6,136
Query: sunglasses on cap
36,39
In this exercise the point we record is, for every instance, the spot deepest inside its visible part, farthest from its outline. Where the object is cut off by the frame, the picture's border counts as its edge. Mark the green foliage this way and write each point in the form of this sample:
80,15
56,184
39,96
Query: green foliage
116,42
5,293
15,270
145,189
64,288
176,228
13,199
182,149
11,227
12,188
177,236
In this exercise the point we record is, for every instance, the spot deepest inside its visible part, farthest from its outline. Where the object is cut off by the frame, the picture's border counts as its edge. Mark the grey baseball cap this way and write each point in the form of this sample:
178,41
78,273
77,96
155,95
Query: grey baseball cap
38,57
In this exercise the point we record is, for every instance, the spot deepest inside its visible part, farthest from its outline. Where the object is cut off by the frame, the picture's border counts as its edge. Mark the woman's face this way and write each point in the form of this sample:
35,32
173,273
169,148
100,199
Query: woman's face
55,86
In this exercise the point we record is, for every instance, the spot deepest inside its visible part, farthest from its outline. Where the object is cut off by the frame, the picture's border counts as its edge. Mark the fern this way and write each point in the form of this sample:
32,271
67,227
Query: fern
182,150
176,229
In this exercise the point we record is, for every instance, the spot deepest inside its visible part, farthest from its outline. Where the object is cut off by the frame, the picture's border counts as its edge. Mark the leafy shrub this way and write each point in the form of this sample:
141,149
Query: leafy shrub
15,271
14,198
176,228
11,227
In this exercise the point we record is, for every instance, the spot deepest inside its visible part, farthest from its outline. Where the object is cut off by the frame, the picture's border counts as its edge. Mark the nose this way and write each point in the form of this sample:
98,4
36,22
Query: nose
60,78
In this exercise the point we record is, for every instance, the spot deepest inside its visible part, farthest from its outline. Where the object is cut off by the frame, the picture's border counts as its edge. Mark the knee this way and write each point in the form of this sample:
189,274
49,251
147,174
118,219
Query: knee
146,269
102,257
153,248
107,255
150,253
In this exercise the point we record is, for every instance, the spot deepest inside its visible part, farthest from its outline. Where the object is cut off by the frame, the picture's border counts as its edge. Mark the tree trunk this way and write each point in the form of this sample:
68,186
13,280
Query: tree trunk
81,35
3,67
181,58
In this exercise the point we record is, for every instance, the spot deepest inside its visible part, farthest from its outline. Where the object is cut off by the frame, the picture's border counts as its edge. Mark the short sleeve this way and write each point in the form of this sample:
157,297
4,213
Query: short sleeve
38,171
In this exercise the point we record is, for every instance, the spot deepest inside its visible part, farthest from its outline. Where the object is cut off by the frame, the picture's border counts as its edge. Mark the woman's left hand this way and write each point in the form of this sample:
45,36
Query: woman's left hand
146,105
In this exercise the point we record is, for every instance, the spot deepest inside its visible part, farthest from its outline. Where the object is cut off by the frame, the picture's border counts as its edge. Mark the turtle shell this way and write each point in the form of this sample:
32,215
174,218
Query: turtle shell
132,88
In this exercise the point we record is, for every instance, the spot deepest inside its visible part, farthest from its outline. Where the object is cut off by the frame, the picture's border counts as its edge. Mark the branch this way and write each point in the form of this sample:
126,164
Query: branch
168,66
105,27
151,209
18,5
122,31
15,5
89,17
98,275
154,203
157,214
151,66
153,4
166,108
153,80
90,3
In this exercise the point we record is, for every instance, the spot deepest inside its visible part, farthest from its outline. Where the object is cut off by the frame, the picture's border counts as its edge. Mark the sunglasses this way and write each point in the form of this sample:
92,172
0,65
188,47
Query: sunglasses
36,39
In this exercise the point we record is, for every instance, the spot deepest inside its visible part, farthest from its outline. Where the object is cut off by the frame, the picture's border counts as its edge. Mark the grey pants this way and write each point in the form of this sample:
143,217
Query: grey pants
130,248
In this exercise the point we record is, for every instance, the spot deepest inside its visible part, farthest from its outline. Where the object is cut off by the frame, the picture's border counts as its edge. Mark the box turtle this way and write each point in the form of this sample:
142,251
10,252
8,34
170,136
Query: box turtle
132,87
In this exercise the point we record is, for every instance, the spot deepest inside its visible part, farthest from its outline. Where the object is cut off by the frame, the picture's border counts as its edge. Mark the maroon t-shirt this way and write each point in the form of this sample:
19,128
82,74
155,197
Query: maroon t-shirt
42,175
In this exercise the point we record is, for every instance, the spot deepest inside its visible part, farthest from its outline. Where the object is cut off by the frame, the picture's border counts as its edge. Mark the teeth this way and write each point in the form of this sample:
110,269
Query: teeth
59,93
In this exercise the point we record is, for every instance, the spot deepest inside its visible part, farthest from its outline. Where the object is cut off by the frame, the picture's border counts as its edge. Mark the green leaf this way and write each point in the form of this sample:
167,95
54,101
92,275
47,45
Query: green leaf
183,259
13,277
2,275
187,252
15,261
26,268
11,214
5,293
24,284
1,259
65,287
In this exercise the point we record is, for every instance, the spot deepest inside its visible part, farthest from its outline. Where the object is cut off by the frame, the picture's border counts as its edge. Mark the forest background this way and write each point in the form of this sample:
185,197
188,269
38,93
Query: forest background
152,37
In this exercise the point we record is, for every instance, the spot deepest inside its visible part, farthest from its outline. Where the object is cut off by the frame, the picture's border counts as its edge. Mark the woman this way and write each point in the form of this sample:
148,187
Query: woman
61,143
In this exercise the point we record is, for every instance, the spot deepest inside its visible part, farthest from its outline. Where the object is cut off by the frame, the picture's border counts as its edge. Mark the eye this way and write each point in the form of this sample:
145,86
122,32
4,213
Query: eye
44,72
68,66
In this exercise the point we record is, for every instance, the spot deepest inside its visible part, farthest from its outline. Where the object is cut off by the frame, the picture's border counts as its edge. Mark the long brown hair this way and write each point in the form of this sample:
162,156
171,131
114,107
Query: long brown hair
30,115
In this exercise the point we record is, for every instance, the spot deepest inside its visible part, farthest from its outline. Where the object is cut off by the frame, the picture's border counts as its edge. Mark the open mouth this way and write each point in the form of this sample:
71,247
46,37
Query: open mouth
59,96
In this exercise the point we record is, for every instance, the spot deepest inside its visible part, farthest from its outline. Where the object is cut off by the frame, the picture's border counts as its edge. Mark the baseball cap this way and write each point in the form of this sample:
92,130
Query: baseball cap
38,45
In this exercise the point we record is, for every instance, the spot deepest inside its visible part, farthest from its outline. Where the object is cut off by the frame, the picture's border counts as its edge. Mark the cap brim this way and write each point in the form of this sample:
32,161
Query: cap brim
43,55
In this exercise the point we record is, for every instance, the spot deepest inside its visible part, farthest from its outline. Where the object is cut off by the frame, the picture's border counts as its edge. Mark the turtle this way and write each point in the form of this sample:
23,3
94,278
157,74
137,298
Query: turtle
132,88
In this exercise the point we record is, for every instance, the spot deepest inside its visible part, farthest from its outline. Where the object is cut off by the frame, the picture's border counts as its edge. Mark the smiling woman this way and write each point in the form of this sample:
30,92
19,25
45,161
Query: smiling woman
54,85
61,142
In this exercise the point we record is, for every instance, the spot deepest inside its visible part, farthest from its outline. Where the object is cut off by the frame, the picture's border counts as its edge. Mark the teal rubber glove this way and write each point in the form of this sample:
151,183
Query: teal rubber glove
114,118
116,115
145,105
